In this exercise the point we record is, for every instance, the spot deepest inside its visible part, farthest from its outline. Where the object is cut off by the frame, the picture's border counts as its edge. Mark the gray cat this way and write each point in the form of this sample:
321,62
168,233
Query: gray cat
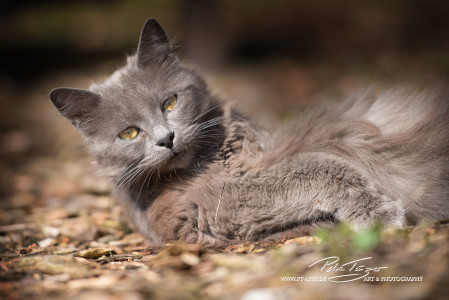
184,166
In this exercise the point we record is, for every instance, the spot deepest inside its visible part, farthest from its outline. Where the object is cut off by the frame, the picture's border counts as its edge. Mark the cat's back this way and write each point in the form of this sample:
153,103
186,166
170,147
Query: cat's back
370,115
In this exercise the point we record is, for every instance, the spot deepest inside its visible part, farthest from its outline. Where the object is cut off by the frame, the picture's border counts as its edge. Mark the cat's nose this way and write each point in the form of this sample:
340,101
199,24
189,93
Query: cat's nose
166,141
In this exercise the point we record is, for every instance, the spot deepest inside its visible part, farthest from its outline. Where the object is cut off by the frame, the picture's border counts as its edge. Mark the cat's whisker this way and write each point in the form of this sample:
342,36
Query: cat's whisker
144,161
132,178
209,138
135,178
219,201
151,175
132,171
209,125
205,137
133,164
129,170
211,121
198,168
126,177
206,143
129,178
125,172
205,112
180,179
208,134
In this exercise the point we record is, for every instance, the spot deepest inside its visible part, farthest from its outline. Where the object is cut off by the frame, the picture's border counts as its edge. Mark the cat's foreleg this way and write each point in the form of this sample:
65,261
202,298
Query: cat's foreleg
324,189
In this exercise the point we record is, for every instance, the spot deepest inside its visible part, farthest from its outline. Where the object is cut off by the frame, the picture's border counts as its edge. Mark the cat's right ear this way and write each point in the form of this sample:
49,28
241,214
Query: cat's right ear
154,47
74,104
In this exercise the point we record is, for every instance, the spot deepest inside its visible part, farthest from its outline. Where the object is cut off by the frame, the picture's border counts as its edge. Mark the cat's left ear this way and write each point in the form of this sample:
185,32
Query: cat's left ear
154,46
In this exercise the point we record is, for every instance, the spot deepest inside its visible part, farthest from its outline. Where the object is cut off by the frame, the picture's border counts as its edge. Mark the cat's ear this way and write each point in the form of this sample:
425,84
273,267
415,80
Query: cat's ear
74,104
154,46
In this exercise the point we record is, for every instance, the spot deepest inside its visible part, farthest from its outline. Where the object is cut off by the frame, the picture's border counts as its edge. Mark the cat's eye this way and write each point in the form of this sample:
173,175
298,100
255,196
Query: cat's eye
170,103
129,133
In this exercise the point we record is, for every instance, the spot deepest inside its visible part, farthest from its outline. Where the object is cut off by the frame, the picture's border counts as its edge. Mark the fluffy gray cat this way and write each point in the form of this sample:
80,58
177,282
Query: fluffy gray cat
186,167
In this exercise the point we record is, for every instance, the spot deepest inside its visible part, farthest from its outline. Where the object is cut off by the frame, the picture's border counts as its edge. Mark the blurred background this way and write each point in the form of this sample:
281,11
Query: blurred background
274,57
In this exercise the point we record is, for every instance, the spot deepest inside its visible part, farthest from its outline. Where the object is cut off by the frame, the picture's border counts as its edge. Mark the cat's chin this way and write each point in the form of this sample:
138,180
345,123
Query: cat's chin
178,160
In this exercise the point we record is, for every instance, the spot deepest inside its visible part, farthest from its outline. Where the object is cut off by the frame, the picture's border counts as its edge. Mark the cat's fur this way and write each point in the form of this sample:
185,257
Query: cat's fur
379,156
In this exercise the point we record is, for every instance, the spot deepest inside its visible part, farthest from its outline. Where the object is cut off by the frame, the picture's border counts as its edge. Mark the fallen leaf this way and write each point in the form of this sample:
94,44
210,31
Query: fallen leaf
95,252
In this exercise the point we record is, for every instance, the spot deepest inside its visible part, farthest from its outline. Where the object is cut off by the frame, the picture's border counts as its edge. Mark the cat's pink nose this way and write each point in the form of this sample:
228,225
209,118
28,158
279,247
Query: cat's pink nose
167,141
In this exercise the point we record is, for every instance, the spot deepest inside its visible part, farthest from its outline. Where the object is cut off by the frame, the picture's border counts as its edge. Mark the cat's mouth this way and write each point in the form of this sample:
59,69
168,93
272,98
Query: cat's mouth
176,158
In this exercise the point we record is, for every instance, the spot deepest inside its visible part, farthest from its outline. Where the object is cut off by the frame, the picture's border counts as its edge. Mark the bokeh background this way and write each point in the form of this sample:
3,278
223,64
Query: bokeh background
273,57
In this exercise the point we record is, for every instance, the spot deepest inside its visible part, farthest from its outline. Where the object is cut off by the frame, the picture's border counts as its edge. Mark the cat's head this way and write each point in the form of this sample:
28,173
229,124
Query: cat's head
147,115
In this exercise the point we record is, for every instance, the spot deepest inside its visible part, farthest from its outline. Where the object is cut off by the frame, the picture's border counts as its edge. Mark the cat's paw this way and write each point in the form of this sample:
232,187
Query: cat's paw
390,213
260,225
375,207
247,231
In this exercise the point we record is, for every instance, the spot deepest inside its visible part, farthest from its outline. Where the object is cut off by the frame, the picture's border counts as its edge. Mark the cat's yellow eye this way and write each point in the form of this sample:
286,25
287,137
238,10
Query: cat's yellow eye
170,103
129,133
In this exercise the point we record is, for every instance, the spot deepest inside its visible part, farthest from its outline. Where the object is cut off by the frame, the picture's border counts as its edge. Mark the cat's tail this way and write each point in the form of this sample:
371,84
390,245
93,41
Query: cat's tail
414,142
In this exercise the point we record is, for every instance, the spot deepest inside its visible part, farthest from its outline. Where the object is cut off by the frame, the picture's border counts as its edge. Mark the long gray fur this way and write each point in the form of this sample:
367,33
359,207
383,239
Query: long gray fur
377,157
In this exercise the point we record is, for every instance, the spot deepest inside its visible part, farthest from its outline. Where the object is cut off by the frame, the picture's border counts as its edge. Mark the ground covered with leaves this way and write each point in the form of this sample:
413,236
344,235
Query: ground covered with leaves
63,237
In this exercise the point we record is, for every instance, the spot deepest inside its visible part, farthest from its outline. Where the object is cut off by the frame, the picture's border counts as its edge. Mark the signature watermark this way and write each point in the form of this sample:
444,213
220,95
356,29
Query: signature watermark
360,269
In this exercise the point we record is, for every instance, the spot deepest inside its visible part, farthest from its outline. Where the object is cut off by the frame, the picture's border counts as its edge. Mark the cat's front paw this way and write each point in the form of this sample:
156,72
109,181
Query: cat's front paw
249,232
378,208
258,226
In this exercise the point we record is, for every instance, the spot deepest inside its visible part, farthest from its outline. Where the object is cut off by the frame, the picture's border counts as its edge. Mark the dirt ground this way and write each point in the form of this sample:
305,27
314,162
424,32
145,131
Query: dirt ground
63,237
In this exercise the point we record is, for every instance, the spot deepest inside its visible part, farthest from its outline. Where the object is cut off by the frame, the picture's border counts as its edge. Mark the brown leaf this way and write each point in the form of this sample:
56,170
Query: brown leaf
95,252
56,264
27,249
